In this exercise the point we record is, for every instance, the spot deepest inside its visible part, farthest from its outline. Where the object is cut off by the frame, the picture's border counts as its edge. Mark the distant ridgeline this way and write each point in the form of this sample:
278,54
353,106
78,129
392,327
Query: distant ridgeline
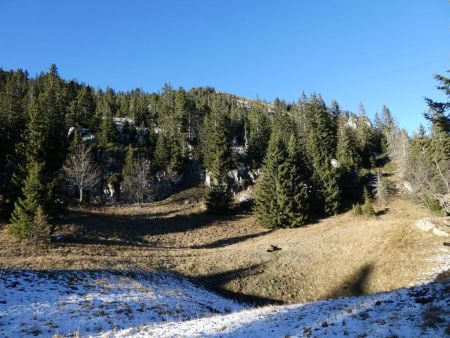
63,140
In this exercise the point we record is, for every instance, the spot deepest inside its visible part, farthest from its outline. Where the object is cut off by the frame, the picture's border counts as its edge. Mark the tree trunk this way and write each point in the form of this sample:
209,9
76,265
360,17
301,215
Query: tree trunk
81,195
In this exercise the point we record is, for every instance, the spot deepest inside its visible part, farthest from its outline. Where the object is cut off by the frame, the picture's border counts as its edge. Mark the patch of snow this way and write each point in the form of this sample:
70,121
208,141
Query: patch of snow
424,224
104,304
47,303
392,314
440,262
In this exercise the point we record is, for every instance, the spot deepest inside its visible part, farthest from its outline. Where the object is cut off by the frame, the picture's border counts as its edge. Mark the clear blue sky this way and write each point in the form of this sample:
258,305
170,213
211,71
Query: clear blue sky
374,52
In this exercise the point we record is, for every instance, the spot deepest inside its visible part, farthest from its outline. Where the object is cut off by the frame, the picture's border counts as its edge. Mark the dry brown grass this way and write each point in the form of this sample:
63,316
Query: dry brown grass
341,255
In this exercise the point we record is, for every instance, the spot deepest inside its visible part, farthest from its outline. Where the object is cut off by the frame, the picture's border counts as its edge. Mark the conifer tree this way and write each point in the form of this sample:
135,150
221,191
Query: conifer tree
82,110
320,148
13,101
292,189
128,164
162,152
367,207
259,134
347,152
267,208
438,111
364,136
34,198
218,162
44,153
108,133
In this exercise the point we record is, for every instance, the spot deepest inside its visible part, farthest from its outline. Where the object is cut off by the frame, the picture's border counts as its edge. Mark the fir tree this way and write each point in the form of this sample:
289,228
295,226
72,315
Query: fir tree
347,152
162,153
13,118
321,148
292,190
35,197
108,133
44,153
367,207
438,111
259,134
128,164
267,208
218,162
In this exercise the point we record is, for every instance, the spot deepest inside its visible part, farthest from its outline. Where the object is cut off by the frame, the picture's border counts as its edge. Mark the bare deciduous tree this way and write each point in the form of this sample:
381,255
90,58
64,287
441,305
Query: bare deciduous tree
137,183
80,170
430,180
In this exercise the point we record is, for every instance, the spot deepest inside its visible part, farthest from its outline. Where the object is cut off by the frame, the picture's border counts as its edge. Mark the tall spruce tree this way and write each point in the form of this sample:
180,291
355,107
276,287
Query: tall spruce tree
35,197
347,152
13,102
321,149
259,134
217,161
45,149
292,189
267,207
108,134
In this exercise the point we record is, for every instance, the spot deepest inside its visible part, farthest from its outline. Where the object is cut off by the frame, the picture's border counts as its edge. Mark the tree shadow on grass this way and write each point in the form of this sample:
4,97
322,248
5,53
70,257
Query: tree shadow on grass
217,282
230,241
355,284
111,229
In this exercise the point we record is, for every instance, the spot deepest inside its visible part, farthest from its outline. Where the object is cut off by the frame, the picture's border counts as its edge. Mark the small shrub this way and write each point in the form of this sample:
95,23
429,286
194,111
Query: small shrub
367,207
357,209
40,230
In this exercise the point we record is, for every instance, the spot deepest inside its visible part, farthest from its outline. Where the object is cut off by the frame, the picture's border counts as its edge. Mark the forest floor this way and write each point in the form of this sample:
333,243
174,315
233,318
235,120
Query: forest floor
342,255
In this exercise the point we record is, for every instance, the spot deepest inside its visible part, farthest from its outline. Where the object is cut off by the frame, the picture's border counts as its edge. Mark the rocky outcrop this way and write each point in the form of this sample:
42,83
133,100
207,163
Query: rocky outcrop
425,224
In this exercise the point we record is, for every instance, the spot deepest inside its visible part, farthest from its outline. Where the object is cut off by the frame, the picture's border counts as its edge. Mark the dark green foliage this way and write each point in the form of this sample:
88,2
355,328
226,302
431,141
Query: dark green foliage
357,209
35,198
82,110
258,135
13,102
162,153
108,134
193,129
44,153
217,160
438,113
128,164
429,162
282,198
330,191
367,207
40,229
292,190
347,153
320,146
266,207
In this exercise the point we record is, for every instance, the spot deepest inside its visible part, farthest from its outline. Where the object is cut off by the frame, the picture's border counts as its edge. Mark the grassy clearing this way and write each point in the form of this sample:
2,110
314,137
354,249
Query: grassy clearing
341,255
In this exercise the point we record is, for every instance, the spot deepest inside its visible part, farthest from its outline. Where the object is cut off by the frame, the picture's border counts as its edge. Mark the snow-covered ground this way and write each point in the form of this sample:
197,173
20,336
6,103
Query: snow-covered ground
106,304
162,305
89,303
418,312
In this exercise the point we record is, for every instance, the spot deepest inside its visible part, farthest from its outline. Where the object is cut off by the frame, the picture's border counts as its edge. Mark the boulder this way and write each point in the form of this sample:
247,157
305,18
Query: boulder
425,224
439,232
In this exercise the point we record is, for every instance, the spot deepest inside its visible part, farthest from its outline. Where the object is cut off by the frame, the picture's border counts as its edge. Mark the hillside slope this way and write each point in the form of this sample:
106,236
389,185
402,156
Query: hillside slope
159,305
342,255
418,312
